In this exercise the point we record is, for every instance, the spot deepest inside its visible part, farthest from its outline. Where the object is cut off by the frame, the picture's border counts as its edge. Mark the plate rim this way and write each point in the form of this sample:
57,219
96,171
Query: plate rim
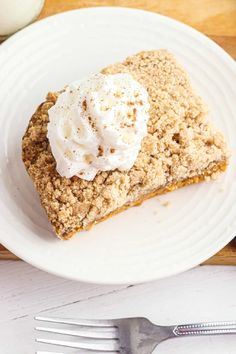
39,22
61,272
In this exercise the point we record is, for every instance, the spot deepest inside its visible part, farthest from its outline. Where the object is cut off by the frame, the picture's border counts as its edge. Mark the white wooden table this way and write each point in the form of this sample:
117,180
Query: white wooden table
203,294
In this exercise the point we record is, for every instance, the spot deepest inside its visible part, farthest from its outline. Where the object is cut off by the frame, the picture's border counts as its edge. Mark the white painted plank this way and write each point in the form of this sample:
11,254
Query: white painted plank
25,290
203,294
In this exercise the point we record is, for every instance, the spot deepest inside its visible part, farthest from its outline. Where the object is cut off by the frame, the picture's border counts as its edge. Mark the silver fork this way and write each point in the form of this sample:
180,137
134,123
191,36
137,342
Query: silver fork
124,336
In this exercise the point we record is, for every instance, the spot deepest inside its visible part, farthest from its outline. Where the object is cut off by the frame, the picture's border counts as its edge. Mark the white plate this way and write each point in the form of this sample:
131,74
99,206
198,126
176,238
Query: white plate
143,243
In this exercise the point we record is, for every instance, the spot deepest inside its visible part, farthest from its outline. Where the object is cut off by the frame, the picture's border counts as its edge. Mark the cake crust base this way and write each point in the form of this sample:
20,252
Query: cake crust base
218,168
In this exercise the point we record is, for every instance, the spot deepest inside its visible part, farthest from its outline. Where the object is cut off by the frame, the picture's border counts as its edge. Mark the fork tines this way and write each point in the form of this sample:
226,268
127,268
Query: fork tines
92,335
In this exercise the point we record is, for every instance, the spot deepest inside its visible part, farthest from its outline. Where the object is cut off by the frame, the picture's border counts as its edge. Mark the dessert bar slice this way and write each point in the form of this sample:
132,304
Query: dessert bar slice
181,148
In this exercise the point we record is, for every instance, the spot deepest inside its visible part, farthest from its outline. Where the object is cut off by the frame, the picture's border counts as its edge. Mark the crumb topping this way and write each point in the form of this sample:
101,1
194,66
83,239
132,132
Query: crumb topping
84,104
100,151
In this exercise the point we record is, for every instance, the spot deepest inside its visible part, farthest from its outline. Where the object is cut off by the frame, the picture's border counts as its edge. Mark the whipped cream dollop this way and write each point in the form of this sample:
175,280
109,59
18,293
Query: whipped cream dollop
98,124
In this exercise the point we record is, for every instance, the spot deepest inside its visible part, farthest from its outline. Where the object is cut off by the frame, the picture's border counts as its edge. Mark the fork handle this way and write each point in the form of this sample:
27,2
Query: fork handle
205,329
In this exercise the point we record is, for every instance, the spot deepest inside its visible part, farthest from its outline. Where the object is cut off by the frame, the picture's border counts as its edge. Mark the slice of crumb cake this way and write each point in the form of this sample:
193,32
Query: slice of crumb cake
180,148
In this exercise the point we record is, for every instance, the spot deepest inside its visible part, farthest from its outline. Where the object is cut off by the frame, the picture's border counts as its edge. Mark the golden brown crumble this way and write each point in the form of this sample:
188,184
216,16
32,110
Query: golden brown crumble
180,148
166,204
100,151
84,104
